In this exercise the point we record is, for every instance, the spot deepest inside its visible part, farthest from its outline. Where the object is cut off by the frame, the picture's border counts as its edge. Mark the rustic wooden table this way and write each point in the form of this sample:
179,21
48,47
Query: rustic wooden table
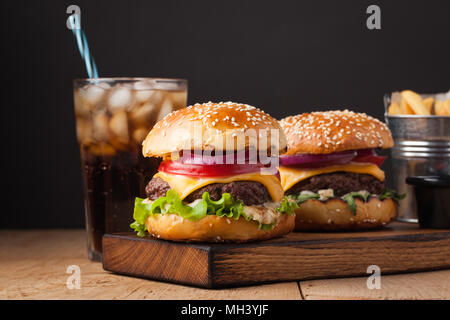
33,265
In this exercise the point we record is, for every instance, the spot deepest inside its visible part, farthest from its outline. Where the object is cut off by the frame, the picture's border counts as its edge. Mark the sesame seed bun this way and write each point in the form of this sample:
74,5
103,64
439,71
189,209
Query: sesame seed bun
214,229
334,214
334,131
209,125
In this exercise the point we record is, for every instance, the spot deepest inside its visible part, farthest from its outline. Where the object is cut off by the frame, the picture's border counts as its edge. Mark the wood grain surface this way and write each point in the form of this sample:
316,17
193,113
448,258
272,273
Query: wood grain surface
297,256
424,285
33,266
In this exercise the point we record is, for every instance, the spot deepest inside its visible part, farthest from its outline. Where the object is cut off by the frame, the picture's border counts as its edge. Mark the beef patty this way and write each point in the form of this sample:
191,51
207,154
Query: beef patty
249,192
341,182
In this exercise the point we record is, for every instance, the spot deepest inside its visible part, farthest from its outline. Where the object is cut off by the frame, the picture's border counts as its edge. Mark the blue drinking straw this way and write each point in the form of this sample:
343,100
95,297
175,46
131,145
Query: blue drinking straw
83,47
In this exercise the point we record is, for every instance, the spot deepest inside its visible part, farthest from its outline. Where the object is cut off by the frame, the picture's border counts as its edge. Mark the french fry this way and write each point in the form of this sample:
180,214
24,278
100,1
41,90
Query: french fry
439,107
394,109
405,108
442,108
428,102
396,97
414,100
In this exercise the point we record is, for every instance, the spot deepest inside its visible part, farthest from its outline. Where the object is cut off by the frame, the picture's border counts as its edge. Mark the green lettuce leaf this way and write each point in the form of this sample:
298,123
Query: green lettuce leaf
388,193
302,197
226,206
350,199
139,215
287,205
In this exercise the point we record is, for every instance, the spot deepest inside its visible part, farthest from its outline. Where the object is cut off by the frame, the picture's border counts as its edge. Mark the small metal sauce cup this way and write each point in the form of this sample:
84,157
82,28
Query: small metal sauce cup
432,194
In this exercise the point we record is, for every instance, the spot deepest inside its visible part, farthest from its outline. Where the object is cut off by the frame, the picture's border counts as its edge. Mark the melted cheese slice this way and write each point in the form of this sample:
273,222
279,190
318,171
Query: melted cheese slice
290,176
185,185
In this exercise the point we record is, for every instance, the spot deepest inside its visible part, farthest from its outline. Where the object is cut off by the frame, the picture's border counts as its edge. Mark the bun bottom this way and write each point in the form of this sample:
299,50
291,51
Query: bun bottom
335,214
215,229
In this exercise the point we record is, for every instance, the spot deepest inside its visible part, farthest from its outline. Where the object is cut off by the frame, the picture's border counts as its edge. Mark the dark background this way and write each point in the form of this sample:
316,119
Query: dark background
284,56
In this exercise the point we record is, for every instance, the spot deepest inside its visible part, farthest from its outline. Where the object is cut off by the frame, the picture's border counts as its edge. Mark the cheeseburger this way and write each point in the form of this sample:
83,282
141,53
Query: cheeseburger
332,171
218,180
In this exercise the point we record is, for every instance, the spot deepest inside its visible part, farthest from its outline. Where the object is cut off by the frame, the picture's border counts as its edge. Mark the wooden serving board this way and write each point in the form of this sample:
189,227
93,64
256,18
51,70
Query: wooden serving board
399,248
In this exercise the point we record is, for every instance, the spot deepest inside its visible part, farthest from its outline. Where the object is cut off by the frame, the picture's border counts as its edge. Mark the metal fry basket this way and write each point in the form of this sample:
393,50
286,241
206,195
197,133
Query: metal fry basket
421,148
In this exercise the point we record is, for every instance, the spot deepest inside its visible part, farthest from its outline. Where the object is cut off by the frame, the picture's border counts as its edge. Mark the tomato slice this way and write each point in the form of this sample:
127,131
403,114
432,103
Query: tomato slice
369,155
378,160
212,170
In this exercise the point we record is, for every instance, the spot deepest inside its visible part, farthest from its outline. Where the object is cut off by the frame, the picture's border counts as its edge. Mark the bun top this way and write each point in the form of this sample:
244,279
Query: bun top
334,131
214,126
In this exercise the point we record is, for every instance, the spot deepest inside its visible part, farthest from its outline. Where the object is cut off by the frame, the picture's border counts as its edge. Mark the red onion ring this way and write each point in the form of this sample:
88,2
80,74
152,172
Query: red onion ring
318,160
366,152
